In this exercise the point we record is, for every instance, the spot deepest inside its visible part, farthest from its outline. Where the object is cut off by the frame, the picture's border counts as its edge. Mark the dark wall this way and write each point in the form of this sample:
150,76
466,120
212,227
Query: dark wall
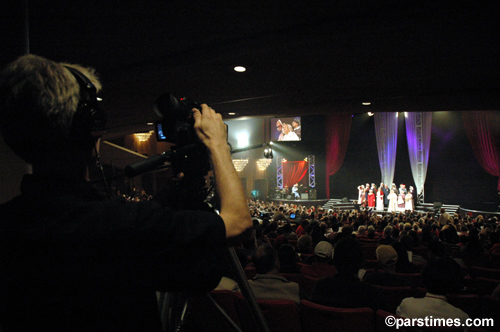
453,177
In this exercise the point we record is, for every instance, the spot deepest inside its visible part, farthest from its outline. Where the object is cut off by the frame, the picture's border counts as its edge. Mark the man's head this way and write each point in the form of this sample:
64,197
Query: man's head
442,276
324,250
38,102
348,256
387,257
296,123
266,260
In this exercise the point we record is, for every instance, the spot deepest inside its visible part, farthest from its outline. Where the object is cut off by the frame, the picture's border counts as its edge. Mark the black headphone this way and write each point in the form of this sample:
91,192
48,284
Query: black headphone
89,117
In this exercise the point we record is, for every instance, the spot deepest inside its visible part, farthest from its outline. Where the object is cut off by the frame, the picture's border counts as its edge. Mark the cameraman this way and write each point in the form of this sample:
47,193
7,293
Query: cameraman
73,261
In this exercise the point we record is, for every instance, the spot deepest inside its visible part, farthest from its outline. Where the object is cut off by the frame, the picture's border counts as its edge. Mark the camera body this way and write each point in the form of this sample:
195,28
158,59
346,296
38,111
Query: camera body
189,155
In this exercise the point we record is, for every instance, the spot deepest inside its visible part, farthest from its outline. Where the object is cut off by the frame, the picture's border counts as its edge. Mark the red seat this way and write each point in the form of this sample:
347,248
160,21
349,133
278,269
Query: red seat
390,297
315,317
280,315
203,315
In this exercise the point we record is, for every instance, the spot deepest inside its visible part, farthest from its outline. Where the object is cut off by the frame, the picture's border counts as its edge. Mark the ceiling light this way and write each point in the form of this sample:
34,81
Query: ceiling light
370,113
366,103
240,69
231,113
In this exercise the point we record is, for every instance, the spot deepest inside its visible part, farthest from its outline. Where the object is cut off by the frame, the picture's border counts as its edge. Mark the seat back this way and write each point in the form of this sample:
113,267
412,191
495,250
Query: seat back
315,317
390,297
280,315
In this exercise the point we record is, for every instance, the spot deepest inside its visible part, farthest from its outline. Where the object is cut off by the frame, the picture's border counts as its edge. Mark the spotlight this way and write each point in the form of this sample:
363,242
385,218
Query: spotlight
370,113
268,153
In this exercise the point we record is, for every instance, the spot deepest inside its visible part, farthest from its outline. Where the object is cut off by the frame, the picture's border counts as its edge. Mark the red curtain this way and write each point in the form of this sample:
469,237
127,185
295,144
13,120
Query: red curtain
338,129
293,172
483,131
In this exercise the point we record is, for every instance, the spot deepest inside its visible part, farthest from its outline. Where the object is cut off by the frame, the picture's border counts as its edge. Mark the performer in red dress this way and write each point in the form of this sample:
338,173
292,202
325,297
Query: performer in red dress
371,199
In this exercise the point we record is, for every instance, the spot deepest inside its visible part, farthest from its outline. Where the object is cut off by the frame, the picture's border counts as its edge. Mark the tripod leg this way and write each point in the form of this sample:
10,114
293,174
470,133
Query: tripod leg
247,291
233,324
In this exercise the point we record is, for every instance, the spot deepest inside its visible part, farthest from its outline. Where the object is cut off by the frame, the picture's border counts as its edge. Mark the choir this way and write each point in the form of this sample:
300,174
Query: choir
396,200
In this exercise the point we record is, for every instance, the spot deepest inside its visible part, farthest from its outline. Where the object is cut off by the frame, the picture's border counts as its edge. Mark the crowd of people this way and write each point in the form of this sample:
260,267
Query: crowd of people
328,246
383,198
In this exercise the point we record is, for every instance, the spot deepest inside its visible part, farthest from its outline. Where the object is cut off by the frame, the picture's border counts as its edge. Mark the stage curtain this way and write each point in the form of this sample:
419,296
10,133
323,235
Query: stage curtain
338,130
293,172
418,145
386,132
483,131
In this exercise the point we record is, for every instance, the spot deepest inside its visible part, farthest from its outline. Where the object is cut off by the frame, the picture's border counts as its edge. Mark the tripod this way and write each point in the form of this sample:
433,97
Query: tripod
173,320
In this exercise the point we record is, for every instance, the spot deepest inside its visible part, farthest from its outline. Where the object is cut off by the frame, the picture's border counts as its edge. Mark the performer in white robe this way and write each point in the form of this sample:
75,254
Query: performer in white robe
409,202
380,200
393,202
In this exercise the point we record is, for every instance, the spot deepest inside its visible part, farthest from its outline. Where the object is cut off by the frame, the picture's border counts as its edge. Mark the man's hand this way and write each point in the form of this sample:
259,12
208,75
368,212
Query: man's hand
210,128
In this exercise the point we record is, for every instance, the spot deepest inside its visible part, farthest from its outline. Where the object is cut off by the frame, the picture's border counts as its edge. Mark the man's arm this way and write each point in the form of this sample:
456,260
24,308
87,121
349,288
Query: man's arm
234,209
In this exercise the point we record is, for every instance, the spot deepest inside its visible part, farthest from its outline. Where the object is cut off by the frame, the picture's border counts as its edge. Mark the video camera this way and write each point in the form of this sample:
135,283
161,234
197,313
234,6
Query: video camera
188,155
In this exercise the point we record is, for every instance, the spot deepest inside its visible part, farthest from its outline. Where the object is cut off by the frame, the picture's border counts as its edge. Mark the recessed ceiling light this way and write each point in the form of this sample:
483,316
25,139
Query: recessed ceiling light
370,113
366,103
240,69
231,113
150,123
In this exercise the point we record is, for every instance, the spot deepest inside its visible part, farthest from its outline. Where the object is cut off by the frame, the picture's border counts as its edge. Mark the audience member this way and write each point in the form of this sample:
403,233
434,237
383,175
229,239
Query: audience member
344,289
441,276
387,258
321,266
267,284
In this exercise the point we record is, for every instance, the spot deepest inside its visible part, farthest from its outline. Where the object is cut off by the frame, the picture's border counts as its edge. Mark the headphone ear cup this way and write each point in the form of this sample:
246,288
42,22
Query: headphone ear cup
89,119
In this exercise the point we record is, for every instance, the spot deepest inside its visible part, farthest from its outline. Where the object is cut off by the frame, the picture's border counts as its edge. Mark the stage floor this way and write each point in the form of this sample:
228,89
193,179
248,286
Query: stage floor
303,202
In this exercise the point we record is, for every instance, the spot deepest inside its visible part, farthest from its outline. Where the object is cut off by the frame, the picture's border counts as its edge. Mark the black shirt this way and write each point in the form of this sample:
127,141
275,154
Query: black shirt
71,261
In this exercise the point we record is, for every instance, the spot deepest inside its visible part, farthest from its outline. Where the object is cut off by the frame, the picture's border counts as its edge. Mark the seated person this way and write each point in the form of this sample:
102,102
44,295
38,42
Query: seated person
288,259
344,289
441,276
267,284
387,258
321,266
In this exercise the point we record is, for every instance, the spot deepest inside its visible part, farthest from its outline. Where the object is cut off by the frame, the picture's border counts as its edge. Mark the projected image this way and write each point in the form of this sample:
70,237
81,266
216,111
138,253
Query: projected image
286,129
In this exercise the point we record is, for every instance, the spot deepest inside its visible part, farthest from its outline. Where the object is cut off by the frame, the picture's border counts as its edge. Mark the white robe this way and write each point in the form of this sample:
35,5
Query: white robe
393,202
380,201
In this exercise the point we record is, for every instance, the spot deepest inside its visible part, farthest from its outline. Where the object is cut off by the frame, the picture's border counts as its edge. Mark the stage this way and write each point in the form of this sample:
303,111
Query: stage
304,202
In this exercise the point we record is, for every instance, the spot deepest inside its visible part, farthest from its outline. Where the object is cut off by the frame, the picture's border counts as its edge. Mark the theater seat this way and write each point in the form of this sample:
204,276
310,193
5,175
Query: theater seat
315,317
